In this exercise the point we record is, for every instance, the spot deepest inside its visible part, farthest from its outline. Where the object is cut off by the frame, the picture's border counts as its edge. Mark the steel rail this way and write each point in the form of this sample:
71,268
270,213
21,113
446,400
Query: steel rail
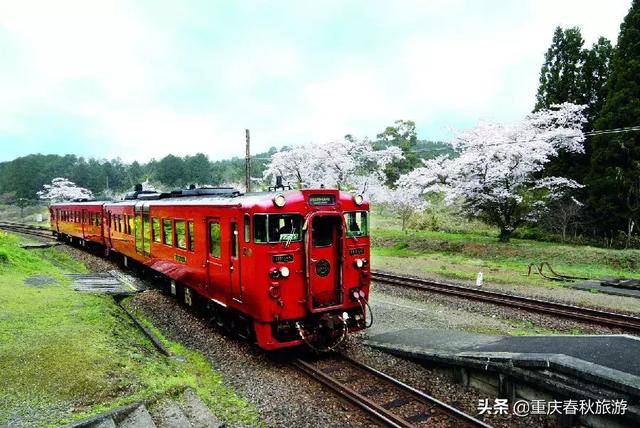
27,229
610,319
375,409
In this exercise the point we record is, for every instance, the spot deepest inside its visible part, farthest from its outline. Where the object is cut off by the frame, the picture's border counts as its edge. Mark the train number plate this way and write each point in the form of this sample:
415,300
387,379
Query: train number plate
282,258
322,199
354,251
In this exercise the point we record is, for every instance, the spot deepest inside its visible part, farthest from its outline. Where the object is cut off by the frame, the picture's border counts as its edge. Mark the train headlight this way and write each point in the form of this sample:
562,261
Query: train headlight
358,199
274,273
279,200
284,271
359,263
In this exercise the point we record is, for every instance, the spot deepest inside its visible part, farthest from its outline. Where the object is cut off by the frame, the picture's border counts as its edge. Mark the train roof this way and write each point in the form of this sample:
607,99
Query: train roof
231,200
84,203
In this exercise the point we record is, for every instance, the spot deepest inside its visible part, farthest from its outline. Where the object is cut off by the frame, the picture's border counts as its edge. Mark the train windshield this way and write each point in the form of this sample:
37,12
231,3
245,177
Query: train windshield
277,228
356,223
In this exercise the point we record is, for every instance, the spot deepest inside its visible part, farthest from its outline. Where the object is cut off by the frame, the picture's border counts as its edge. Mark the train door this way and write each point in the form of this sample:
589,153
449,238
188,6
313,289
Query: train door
234,260
213,260
324,260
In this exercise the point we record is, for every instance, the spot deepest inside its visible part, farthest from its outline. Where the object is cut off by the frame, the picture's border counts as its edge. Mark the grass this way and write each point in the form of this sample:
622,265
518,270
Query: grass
65,355
463,255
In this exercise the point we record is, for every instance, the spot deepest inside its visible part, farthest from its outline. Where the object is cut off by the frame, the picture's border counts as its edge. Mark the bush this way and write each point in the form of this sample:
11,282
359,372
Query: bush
443,219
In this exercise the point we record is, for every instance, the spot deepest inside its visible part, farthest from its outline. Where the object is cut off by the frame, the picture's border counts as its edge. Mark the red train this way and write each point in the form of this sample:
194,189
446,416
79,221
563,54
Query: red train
283,268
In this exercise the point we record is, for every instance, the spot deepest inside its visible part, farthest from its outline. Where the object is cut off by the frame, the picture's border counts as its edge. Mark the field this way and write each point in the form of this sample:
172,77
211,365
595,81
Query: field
67,355
461,255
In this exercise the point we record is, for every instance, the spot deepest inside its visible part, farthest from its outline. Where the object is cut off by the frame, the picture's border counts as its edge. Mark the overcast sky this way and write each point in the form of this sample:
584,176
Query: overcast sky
142,79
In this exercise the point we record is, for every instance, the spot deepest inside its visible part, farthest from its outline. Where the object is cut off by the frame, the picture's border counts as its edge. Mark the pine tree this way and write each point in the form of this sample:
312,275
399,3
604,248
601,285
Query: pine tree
593,77
614,179
560,73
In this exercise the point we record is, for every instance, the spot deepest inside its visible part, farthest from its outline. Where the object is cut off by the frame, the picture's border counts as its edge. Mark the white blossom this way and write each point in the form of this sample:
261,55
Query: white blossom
62,189
496,174
349,164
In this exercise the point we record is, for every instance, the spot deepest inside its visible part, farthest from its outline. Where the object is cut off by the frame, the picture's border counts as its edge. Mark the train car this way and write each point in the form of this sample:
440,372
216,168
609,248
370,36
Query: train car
79,221
284,268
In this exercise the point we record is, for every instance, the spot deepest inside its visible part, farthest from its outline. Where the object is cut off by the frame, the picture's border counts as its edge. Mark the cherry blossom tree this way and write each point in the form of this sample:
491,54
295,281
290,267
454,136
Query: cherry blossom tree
401,202
349,164
62,189
497,175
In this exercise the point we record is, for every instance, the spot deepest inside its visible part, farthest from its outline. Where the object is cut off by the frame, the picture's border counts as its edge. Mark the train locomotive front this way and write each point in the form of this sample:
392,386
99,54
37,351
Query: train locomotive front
310,273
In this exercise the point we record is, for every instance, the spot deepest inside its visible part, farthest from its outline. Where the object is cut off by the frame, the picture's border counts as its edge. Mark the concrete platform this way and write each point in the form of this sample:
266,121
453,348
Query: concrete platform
595,285
112,282
590,366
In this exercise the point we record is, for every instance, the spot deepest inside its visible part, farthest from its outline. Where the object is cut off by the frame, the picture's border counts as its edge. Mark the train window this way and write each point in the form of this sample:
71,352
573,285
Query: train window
167,229
356,223
234,239
181,234
285,228
277,228
146,227
157,233
138,232
120,223
247,228
130,224
260,228
214,239
322,231
192,236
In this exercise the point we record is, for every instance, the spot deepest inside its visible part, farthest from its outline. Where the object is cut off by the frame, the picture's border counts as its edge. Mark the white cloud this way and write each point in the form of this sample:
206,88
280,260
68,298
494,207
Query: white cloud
115,67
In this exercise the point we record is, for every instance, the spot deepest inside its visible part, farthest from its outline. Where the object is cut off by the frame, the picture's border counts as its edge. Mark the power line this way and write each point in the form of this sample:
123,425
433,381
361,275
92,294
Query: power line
613,131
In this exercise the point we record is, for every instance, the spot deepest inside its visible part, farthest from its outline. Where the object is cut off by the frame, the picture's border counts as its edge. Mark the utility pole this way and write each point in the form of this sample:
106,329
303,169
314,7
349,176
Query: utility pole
247,164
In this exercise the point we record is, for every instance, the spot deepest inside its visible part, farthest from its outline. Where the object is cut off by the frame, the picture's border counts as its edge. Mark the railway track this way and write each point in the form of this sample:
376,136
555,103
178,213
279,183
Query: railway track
26,229
386,399
609,319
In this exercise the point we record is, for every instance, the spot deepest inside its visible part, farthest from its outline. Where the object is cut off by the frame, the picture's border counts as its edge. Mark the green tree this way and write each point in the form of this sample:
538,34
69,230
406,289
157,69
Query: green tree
614,183
576,75
403,135
135,174
170,171
197,169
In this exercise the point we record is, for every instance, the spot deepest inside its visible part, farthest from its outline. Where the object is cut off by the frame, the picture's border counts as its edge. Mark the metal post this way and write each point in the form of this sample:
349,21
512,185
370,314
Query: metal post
247,164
